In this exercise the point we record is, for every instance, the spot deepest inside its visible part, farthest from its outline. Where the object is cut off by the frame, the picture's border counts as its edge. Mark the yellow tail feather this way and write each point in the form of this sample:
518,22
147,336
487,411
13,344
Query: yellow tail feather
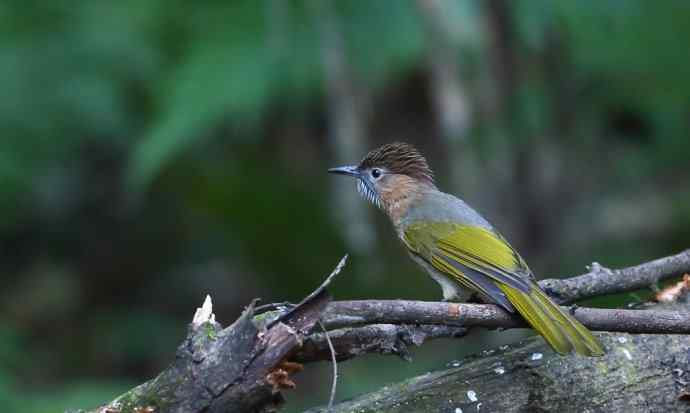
561,330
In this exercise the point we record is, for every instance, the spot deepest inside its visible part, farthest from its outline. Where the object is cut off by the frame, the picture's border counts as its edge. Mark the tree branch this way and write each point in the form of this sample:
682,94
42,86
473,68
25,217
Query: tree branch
239,368
601,280
341,314
375,338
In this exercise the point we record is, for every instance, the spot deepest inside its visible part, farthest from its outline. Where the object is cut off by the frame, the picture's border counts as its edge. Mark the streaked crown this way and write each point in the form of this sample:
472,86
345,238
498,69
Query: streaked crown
399,158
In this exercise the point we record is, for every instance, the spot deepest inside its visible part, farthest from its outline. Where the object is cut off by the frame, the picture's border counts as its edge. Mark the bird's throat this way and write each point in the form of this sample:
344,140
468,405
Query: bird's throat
398,194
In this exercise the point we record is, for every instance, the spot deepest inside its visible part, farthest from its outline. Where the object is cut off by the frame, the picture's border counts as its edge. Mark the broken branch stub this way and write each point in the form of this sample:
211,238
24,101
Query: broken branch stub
240,368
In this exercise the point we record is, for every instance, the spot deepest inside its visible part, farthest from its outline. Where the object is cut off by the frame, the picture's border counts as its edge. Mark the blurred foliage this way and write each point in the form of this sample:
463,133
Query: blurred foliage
235,69
154,151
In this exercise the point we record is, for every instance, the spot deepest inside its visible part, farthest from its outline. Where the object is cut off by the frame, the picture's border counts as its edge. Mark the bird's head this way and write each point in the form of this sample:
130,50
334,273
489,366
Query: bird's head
389,173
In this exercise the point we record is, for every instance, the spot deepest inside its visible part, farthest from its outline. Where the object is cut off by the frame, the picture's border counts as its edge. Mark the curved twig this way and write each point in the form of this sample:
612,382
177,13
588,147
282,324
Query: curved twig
334,363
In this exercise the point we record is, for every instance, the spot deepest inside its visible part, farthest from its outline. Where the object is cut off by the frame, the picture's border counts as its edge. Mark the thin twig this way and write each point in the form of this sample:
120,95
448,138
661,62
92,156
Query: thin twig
282,306
321,289
327,281
334,362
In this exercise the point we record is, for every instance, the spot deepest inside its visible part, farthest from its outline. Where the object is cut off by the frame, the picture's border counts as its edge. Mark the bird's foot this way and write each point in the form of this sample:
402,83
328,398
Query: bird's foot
463,298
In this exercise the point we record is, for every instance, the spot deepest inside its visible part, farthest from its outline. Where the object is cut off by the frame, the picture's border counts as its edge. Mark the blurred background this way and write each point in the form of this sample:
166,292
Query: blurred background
154,151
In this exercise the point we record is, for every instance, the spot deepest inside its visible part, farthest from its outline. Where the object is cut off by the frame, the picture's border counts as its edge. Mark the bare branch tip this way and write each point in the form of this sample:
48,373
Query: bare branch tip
341,264
204,314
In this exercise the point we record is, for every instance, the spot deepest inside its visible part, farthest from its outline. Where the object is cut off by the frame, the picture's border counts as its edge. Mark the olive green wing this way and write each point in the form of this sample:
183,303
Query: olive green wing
476,257
483,261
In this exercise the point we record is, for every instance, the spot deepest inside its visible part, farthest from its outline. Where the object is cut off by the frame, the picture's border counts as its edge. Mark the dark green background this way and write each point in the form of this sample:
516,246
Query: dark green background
154,151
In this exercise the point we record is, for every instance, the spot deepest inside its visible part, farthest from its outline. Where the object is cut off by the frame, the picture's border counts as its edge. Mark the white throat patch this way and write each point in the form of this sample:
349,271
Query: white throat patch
368,193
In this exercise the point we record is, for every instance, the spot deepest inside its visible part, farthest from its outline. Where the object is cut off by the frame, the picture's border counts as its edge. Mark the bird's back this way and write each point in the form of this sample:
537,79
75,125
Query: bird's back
437,206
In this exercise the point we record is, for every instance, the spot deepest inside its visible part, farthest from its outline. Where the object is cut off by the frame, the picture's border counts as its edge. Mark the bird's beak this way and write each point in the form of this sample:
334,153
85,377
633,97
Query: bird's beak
350,170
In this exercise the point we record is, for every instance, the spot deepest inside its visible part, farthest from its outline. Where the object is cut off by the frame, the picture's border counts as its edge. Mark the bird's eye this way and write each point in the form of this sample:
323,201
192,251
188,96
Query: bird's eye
375,173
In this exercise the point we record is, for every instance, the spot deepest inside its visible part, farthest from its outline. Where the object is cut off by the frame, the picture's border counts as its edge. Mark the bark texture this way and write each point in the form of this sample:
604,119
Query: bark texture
601,280
640,373
244,367
236,369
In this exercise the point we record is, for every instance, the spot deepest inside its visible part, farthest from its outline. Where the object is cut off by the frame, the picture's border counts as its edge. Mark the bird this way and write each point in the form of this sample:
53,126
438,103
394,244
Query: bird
458,247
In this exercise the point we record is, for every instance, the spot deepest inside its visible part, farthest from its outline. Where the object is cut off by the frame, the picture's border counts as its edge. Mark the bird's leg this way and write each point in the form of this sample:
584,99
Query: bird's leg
458,295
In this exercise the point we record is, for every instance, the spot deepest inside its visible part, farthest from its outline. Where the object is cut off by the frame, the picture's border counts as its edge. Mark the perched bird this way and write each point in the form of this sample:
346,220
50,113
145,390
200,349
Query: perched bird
458,247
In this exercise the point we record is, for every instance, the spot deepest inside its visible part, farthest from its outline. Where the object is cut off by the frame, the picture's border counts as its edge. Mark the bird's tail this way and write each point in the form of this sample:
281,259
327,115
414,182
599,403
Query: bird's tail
560,329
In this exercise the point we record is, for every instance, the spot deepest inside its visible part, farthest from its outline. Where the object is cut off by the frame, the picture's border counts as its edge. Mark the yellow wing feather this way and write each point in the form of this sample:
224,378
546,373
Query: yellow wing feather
481,260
